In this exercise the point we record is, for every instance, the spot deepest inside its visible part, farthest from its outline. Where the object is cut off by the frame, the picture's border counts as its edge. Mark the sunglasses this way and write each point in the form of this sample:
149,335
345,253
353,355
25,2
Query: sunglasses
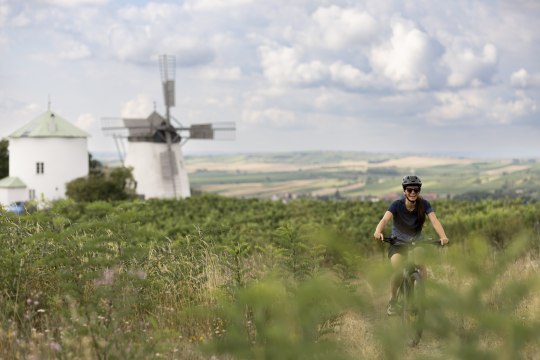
412,189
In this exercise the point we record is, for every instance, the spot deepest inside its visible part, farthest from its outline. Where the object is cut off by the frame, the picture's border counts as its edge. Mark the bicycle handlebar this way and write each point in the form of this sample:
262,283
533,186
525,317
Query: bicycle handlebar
398,242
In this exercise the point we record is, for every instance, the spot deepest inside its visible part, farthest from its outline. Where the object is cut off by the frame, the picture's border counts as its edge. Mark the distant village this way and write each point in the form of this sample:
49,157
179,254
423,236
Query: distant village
287,197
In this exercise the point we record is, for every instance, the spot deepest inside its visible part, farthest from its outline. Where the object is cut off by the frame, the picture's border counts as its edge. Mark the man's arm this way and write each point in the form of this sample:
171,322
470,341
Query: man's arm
438,227
378,235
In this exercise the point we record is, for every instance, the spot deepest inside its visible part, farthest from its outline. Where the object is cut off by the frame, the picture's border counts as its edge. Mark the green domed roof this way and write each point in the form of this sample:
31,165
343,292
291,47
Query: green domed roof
12,182
47,125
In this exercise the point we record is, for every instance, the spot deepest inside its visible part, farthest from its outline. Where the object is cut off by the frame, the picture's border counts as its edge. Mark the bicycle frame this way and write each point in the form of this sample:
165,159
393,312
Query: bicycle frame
410,293
411,245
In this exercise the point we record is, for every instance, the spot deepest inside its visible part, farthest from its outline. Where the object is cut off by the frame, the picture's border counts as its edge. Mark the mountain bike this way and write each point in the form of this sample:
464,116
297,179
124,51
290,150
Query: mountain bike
410,297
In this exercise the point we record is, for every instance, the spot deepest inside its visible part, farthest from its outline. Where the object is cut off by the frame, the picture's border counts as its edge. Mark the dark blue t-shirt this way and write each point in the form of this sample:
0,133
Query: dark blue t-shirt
405,224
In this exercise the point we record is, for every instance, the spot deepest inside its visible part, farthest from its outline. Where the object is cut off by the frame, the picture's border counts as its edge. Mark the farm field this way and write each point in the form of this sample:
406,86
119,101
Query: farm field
214,277
359,175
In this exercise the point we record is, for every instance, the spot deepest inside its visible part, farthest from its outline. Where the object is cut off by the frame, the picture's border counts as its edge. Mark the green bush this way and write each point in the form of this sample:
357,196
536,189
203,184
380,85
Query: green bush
118,185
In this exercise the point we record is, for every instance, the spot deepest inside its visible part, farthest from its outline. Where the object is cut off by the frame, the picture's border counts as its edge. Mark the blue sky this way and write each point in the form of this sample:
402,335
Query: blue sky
459,77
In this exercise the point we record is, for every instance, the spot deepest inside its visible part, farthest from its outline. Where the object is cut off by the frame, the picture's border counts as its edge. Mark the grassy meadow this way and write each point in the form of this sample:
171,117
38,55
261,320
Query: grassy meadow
214,277
360,175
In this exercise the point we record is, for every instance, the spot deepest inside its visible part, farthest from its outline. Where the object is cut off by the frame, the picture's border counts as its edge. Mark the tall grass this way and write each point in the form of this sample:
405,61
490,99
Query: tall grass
210,277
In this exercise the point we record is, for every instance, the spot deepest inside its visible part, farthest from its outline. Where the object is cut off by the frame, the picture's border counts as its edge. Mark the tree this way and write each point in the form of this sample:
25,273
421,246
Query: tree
4,158
119,184
94,165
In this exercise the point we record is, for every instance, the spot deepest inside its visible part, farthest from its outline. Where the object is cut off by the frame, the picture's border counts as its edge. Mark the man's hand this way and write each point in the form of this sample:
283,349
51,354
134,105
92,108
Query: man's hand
378,236
444,241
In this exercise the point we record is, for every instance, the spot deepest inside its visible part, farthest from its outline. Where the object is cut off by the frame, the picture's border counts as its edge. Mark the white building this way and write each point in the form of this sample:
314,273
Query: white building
158,171
44,155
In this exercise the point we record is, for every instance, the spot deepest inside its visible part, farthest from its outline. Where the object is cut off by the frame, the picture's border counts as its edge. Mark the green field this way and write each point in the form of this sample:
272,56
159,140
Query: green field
360,175
223,278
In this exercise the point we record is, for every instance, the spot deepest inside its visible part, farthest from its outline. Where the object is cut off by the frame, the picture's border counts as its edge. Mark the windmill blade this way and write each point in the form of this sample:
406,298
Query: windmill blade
168,93
112,123
167,67
225,131
169,168
119,143
114,126
201,131
111,126
178,123
213,131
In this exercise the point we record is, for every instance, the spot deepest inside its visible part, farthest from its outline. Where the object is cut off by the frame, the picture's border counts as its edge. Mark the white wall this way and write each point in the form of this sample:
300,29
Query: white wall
64,159
11,195
145,160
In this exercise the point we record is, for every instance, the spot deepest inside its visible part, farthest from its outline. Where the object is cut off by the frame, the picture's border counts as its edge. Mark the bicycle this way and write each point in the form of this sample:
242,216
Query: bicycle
411,292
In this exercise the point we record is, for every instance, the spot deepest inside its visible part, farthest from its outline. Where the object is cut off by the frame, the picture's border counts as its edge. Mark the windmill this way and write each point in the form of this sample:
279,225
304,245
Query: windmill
154,143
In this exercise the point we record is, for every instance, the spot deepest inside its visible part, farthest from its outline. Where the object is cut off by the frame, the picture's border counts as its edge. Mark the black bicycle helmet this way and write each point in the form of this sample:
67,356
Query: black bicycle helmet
411,180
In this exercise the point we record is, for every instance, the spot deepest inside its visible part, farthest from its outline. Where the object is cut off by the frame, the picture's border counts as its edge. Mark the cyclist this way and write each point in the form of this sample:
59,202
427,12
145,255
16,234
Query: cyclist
409,214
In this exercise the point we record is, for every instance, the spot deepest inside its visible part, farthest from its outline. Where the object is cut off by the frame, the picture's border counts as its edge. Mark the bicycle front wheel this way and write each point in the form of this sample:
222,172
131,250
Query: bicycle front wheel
413,313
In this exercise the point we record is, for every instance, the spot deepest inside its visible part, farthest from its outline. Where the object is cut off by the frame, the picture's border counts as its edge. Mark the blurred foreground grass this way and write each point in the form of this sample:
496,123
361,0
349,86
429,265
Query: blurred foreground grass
103,281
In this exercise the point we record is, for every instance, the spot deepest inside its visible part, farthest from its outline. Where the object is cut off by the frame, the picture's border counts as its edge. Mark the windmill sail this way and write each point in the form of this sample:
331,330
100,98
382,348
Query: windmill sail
167,67
168,93
216,131
169,167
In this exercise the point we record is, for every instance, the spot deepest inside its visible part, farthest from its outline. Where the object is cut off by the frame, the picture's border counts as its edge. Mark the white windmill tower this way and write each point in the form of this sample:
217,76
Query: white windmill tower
44,155
154,148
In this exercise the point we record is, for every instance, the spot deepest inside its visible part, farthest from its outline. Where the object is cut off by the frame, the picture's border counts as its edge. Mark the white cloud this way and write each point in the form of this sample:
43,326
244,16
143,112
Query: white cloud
189,51
86,122
457,106
344,27
271,117
408,59
21,20
4,12
282,66
73,3
62,48
522,79
350,77
74,50
280,63
507,111
478,107
469,68
156,13
131,43
142,32
143,43
324,101
3,42
140,107
19,113
214,5
222,74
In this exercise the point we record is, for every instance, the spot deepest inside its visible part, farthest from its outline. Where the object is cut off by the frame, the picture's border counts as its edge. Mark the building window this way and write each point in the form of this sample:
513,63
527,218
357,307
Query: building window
31,194
40,168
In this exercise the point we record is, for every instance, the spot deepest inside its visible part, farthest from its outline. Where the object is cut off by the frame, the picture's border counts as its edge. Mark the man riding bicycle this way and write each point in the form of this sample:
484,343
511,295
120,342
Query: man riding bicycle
408,214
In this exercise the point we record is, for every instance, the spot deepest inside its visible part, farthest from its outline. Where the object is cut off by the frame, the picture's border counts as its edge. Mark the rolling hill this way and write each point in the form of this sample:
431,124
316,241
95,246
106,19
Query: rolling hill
360,175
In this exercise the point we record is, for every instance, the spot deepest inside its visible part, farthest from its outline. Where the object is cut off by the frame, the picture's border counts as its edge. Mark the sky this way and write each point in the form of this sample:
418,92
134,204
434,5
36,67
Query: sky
433,77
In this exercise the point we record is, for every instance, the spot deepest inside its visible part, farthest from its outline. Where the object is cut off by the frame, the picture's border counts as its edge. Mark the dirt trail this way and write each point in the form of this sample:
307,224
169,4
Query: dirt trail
361,334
